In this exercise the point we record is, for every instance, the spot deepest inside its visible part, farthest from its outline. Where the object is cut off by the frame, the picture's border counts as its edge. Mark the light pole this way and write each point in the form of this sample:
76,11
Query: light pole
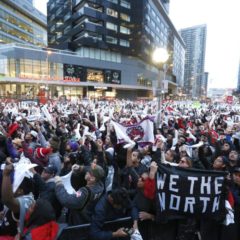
160,55
48,73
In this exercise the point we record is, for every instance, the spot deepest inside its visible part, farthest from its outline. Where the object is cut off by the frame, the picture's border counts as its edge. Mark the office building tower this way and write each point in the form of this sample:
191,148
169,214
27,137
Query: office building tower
20,22
165,5
194,76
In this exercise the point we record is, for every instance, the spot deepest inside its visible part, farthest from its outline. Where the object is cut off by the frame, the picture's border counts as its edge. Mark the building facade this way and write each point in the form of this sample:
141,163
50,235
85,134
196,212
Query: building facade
195,81
122,32
20,22
25,70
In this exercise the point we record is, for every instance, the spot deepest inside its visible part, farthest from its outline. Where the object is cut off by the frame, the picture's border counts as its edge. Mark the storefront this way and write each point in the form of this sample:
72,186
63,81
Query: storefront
27,72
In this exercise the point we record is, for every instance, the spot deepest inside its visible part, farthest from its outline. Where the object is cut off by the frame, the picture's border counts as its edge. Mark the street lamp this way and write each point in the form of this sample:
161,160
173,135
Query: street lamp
160,55
49,52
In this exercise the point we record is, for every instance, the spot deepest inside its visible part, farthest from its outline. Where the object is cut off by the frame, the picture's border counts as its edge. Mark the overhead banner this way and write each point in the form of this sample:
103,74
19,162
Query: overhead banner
189,192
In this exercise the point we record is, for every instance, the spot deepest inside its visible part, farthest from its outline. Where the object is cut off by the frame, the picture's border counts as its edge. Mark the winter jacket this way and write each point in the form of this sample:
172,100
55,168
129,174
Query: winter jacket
104,211
46,190
81,204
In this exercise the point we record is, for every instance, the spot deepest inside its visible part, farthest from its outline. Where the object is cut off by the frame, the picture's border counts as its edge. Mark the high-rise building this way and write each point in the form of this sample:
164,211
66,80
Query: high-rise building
194,77
20,22
119,31
166,5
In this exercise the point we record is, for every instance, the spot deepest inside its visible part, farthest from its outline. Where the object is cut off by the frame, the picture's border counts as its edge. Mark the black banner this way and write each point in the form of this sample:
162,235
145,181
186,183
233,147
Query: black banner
112,76
189,192
73,73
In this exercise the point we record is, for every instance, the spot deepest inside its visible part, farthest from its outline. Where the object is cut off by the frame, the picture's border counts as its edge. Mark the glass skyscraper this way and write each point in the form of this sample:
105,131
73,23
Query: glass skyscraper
195,81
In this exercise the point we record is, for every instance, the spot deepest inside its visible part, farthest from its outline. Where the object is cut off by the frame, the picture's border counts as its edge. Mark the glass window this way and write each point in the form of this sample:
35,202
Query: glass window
153,13
91,53
111,26
147,28
97,54
111,40
94,75
113,1
86,52
103,55
114,57
153,23
112,12
125,4
124,43
125,17
119,59
124,30
108,56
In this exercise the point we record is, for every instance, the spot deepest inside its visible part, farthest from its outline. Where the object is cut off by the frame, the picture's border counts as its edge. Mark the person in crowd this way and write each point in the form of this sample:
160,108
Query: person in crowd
16,204
31,139
236,195
133,170
81,204
113,205
233,158
146,210
80,133
45,187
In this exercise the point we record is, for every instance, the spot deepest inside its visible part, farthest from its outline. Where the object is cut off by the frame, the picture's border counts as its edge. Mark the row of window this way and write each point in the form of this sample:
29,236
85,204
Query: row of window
160,41
123,3
99,54
113,13
114,40
20,35
16,12
20,22
4,39
114,27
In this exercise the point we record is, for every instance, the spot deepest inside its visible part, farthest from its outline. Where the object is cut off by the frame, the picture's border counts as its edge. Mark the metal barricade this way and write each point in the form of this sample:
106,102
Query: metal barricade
81,232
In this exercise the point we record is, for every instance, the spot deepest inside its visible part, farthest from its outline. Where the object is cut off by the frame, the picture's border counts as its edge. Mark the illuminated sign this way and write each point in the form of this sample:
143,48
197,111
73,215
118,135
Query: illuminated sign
32,77
73,73
112,76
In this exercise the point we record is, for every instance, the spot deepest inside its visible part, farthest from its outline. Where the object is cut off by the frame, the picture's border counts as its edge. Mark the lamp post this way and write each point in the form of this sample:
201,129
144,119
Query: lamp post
49,52
160,55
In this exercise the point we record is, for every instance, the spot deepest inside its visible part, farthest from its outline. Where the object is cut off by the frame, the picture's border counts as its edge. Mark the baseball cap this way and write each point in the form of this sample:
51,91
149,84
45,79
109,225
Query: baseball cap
97,171
236,170
34,133
51,169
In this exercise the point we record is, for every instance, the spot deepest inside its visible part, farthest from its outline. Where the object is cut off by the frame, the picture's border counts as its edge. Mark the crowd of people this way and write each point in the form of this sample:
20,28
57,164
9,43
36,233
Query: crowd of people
110,178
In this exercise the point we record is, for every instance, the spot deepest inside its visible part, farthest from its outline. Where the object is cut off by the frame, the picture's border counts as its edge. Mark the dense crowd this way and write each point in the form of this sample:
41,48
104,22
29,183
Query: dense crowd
44,147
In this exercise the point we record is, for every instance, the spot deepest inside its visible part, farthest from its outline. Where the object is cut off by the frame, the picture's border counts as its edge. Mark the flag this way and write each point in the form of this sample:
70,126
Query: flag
190,192
142,131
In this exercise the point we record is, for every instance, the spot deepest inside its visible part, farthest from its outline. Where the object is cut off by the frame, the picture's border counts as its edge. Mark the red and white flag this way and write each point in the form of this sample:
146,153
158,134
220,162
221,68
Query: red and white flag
142,132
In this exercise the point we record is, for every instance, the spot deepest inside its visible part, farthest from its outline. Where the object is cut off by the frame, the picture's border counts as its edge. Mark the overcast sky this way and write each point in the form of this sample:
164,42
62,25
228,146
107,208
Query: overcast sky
223,34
